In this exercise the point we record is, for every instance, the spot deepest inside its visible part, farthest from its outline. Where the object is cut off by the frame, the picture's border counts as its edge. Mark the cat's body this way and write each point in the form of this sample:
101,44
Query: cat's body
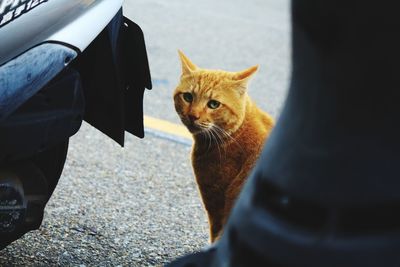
229,131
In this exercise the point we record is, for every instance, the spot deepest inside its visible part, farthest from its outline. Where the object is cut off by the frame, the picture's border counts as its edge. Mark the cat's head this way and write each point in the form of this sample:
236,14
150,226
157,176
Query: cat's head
211,99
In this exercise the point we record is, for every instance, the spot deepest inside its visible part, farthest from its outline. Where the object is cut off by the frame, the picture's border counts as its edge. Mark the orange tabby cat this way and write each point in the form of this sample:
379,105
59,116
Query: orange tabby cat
228,131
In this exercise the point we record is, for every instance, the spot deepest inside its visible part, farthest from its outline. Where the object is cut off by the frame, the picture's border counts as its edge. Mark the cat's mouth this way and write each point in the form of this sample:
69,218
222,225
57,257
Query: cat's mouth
194,127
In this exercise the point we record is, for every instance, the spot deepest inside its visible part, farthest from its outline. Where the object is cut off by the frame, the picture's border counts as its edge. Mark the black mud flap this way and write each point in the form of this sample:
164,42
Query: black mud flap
115,72
112,73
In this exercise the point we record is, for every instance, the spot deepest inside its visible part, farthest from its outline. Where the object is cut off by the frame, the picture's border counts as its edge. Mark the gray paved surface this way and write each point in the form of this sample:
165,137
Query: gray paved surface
113,207
139,206
224,34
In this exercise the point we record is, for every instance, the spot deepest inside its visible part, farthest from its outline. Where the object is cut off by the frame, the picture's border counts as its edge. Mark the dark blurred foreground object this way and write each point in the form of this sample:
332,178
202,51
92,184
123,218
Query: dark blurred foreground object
326,191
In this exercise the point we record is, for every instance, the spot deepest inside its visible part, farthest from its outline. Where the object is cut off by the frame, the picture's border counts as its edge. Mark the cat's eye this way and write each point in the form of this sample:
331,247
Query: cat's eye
188,97
213,104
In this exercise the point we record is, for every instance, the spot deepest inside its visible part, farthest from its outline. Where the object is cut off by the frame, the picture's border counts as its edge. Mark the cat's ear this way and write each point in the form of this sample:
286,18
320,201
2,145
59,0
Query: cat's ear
245,75
242,78
187,65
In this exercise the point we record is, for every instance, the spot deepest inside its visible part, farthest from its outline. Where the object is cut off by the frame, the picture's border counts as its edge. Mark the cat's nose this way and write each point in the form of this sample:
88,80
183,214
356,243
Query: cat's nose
193,118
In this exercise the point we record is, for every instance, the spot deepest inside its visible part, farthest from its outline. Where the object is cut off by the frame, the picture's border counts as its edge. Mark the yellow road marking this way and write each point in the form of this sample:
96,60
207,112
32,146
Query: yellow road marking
166,127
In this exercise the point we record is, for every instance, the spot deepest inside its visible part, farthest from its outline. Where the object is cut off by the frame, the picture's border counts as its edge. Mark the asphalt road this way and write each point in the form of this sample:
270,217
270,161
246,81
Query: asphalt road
139,206
230,35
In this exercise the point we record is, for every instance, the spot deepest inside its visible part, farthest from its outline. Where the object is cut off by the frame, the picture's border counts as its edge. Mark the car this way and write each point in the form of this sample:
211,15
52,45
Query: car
61,62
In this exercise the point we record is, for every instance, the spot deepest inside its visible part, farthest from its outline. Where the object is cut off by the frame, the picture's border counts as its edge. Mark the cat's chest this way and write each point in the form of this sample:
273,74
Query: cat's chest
220,165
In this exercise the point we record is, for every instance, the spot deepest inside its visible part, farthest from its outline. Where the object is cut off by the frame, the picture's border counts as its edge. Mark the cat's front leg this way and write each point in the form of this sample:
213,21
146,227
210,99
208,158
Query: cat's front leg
213,200
215,212
232,193
216,225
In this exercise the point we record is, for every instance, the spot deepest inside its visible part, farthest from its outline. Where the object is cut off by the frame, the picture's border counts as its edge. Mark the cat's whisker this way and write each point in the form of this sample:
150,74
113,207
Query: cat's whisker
206,131
227,135
220,140
214,134
222,131
218,135
209,139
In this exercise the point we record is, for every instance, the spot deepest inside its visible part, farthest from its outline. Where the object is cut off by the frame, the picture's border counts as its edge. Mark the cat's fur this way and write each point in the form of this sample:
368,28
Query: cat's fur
227,139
